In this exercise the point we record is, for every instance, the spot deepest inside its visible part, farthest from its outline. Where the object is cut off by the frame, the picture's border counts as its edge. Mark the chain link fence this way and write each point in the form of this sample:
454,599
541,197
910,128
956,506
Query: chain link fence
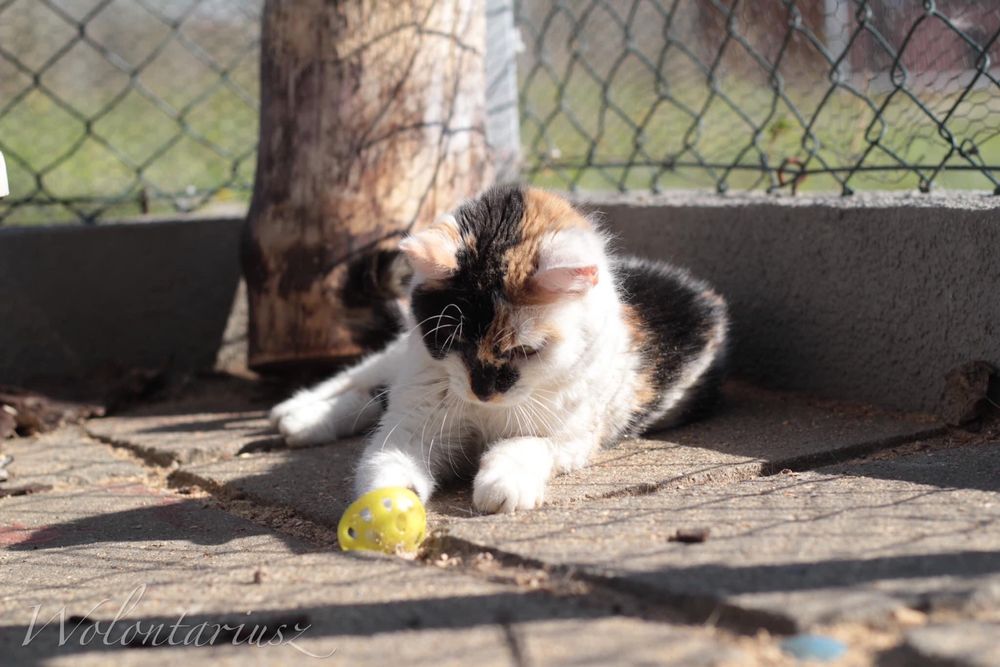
780,94
114,108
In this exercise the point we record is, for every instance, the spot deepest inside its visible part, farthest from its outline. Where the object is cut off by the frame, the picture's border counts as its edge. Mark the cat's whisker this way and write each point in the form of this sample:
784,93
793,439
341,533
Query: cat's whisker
461,328
541,403
437,328
423,431
389,435
536,415
461,435
365,406
444,314
529,427
454,334
420,324
558,422
520,425
430,449
448,445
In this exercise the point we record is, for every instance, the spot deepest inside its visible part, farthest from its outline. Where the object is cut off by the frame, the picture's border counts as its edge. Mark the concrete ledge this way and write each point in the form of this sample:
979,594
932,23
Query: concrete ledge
75,301
871,298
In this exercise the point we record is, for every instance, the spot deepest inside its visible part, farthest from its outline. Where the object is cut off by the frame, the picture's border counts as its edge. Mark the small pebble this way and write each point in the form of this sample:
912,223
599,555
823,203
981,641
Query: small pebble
690,535
814,647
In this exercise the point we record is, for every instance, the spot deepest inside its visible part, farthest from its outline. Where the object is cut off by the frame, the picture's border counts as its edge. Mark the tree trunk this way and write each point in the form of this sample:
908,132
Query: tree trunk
372,116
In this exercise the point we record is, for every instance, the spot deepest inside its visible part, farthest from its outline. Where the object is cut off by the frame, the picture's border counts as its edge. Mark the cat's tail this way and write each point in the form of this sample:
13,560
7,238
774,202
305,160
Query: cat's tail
702,399
698,391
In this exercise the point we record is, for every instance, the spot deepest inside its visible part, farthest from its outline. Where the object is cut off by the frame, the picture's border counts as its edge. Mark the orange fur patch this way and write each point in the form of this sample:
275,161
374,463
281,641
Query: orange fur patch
434,247
543,213
645,391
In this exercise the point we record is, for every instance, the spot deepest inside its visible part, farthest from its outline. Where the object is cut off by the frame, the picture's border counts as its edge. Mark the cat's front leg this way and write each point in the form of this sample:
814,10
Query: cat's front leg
513,475
312,420
395,457
346,404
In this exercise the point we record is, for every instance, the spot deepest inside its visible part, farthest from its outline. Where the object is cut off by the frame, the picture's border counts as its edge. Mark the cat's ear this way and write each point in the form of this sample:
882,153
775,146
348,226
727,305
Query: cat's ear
433,251
567,264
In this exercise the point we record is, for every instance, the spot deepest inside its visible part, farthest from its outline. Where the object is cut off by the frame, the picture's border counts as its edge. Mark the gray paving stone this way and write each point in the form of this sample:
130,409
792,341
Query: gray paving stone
147,556
66,458
189,436
216,417
753,432
960,644
538,643
789,551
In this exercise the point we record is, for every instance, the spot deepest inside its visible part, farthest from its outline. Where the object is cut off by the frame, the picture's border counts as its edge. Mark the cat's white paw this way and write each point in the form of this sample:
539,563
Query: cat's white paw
381,468
505,484
306,422
306,419
287,407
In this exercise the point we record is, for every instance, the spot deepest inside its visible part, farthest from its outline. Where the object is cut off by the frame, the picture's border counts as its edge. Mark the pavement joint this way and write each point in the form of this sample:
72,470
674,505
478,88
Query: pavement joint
279,518
148,456
625,596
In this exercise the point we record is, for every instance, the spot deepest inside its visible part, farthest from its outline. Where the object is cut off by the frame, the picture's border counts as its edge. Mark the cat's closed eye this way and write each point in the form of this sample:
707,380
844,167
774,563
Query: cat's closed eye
524,351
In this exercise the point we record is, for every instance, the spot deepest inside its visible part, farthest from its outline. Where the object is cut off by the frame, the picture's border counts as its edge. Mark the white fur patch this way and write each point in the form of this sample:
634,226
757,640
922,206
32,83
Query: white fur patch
432,252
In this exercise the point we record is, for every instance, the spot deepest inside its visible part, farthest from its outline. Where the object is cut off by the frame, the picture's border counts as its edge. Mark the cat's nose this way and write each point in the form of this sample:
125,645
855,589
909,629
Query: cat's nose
484,396
487,380
483,381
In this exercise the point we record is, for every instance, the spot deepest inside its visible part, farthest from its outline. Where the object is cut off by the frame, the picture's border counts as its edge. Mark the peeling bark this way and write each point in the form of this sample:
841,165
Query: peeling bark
372,117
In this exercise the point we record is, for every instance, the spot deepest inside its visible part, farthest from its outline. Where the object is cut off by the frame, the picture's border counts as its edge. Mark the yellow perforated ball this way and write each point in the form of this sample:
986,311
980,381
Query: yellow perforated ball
390,519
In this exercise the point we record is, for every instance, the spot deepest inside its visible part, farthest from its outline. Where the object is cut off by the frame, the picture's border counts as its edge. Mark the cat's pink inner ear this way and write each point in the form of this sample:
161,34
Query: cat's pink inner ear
433,252
568,264
566,280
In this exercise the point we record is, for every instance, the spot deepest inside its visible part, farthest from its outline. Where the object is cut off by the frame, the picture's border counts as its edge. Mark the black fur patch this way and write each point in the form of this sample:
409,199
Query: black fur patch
471,296
678,321
370,293
493,221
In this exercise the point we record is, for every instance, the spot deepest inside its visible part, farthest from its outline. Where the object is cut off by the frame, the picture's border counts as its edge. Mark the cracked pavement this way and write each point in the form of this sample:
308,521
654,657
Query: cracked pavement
877,528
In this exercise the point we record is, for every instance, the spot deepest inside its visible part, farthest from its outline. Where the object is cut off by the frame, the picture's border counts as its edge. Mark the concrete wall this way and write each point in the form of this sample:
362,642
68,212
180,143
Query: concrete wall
80,301
869,297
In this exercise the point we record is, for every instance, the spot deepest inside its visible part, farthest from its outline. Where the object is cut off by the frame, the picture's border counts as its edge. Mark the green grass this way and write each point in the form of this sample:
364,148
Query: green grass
46,144
585,133
104,149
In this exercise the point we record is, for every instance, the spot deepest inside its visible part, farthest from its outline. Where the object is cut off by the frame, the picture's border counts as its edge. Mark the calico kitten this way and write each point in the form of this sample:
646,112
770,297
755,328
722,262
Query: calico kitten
531,346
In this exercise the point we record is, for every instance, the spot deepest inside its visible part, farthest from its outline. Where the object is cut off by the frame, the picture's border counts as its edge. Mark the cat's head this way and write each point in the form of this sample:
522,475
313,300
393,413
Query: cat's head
503,289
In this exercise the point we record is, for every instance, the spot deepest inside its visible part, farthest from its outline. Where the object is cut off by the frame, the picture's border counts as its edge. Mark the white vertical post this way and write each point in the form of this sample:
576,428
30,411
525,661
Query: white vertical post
503,128
837,20
4,188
